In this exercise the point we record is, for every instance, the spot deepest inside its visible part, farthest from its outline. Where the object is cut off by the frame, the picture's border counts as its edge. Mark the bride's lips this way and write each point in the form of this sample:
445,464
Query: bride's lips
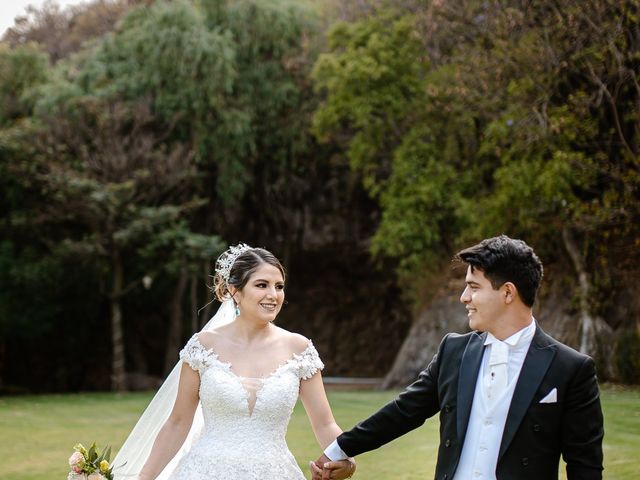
270,307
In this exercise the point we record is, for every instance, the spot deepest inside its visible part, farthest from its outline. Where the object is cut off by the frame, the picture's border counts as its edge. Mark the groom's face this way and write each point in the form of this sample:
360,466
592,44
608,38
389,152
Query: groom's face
485,306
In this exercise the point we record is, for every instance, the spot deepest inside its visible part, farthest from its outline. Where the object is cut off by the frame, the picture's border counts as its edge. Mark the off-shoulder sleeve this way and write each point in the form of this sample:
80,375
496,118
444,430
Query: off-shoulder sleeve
194,354
308,362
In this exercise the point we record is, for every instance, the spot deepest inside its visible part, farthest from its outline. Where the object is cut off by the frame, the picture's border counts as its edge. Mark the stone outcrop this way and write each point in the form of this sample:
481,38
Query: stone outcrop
555,312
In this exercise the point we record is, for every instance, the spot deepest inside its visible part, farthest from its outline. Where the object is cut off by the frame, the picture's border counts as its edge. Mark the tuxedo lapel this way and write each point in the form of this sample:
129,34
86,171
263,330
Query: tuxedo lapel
469,367
534,368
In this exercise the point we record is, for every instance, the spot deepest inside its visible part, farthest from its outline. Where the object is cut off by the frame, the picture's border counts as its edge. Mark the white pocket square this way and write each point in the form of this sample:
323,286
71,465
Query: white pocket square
551,397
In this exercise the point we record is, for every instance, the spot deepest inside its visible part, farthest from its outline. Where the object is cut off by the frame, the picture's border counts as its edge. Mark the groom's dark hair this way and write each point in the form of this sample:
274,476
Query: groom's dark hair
503,259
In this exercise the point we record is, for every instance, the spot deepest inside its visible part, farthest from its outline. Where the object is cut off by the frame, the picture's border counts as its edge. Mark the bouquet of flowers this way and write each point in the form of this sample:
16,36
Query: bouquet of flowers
89,464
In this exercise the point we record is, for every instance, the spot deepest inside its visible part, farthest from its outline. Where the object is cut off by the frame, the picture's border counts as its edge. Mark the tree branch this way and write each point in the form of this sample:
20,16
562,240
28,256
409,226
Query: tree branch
614,109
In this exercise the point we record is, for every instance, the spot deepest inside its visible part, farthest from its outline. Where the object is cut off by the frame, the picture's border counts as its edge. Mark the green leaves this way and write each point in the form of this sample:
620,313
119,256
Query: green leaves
485,120
165,52
418,203
21,69
377,81
105,455
91,461
371,77
181,249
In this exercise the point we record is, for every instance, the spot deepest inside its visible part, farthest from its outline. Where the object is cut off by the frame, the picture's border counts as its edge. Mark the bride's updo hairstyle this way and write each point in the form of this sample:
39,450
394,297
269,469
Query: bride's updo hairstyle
236,265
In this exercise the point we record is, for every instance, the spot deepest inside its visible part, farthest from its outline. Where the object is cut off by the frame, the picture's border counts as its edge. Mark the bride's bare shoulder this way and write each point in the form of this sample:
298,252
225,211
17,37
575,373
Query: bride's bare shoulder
297,343
209,339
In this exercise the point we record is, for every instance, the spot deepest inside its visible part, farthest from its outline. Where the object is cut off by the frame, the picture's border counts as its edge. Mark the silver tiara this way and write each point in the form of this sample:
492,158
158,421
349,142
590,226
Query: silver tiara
225,261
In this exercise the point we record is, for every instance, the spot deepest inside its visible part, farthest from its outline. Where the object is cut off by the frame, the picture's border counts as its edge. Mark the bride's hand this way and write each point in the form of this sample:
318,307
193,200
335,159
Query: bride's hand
316,471
339,470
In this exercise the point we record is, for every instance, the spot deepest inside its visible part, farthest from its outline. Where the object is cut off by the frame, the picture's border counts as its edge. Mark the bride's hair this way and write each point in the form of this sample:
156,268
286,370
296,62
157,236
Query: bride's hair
243,267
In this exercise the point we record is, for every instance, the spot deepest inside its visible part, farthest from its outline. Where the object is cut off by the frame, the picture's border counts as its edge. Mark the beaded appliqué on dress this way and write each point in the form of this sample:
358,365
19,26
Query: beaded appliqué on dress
239,440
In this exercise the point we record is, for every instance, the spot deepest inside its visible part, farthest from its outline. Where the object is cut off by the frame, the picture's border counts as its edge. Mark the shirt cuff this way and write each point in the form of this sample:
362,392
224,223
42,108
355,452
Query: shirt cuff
334,452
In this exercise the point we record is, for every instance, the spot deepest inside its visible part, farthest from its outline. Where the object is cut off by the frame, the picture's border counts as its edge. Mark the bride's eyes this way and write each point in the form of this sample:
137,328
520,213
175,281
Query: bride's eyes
280,286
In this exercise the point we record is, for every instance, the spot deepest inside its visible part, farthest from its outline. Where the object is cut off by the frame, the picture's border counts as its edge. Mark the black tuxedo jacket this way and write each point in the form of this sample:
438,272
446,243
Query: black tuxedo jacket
535,434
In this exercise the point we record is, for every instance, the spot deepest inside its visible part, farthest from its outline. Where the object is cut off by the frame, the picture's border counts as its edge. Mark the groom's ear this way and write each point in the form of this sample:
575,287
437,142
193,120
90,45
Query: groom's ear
510,292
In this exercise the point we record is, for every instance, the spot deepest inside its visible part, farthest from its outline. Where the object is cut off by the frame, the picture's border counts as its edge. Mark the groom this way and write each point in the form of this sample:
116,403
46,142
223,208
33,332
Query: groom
511,398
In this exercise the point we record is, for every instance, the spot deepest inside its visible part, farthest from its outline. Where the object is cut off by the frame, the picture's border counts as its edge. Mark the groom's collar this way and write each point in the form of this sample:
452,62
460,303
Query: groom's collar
522,335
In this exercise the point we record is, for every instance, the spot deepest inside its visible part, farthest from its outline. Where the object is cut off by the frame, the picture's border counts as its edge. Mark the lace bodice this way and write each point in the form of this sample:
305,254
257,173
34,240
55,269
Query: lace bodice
245,420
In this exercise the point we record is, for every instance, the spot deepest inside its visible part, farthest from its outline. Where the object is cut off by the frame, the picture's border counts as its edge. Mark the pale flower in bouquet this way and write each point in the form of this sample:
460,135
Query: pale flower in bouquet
90,464
76,462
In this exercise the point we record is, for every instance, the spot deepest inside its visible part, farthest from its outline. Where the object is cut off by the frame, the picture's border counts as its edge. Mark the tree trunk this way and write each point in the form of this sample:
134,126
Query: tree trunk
193,296
587,323
175,322
206,311
118,373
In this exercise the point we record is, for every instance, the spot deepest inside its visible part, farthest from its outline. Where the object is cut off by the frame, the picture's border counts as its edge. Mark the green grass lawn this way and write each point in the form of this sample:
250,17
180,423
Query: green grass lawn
37,433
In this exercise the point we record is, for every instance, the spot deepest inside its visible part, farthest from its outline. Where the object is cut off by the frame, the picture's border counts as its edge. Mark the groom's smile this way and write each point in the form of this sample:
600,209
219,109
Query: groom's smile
484,304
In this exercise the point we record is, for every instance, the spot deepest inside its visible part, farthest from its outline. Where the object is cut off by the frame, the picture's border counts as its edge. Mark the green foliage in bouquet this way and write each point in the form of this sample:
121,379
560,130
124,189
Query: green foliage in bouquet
90,464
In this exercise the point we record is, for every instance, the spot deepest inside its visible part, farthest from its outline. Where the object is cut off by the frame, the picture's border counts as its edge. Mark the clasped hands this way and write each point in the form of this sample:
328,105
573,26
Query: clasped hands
325,469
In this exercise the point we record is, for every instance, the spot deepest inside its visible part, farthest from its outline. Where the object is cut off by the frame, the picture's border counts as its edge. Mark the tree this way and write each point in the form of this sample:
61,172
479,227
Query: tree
478,118
567,137
118,147
383,104
185,254
124,141
61,32
115,185
21,68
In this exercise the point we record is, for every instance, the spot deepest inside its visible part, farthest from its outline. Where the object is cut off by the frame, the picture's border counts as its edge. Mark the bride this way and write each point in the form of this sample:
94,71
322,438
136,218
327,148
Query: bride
224,410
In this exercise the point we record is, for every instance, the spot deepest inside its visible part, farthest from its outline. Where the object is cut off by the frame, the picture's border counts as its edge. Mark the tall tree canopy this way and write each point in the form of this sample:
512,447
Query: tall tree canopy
138,138
122,140
469,119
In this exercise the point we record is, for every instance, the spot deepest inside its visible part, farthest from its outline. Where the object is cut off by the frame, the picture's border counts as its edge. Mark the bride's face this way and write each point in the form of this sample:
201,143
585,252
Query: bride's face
263,295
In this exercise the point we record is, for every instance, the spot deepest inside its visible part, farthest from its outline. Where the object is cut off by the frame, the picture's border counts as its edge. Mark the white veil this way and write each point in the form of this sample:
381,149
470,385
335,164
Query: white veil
135,450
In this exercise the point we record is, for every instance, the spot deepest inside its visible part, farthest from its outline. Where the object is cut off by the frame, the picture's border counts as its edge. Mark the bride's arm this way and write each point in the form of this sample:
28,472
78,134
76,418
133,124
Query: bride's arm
174,431
315,402
318,410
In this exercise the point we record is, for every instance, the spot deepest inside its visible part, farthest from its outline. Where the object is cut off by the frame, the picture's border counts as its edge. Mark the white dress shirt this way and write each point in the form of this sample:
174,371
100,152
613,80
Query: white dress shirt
479,455
518,344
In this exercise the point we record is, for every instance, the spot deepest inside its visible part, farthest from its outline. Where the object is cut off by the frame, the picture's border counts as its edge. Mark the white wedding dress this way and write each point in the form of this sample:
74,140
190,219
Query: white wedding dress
245,419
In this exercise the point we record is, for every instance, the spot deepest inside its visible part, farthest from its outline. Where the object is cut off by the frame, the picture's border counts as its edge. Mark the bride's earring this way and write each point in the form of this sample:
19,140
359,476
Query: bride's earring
237,312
